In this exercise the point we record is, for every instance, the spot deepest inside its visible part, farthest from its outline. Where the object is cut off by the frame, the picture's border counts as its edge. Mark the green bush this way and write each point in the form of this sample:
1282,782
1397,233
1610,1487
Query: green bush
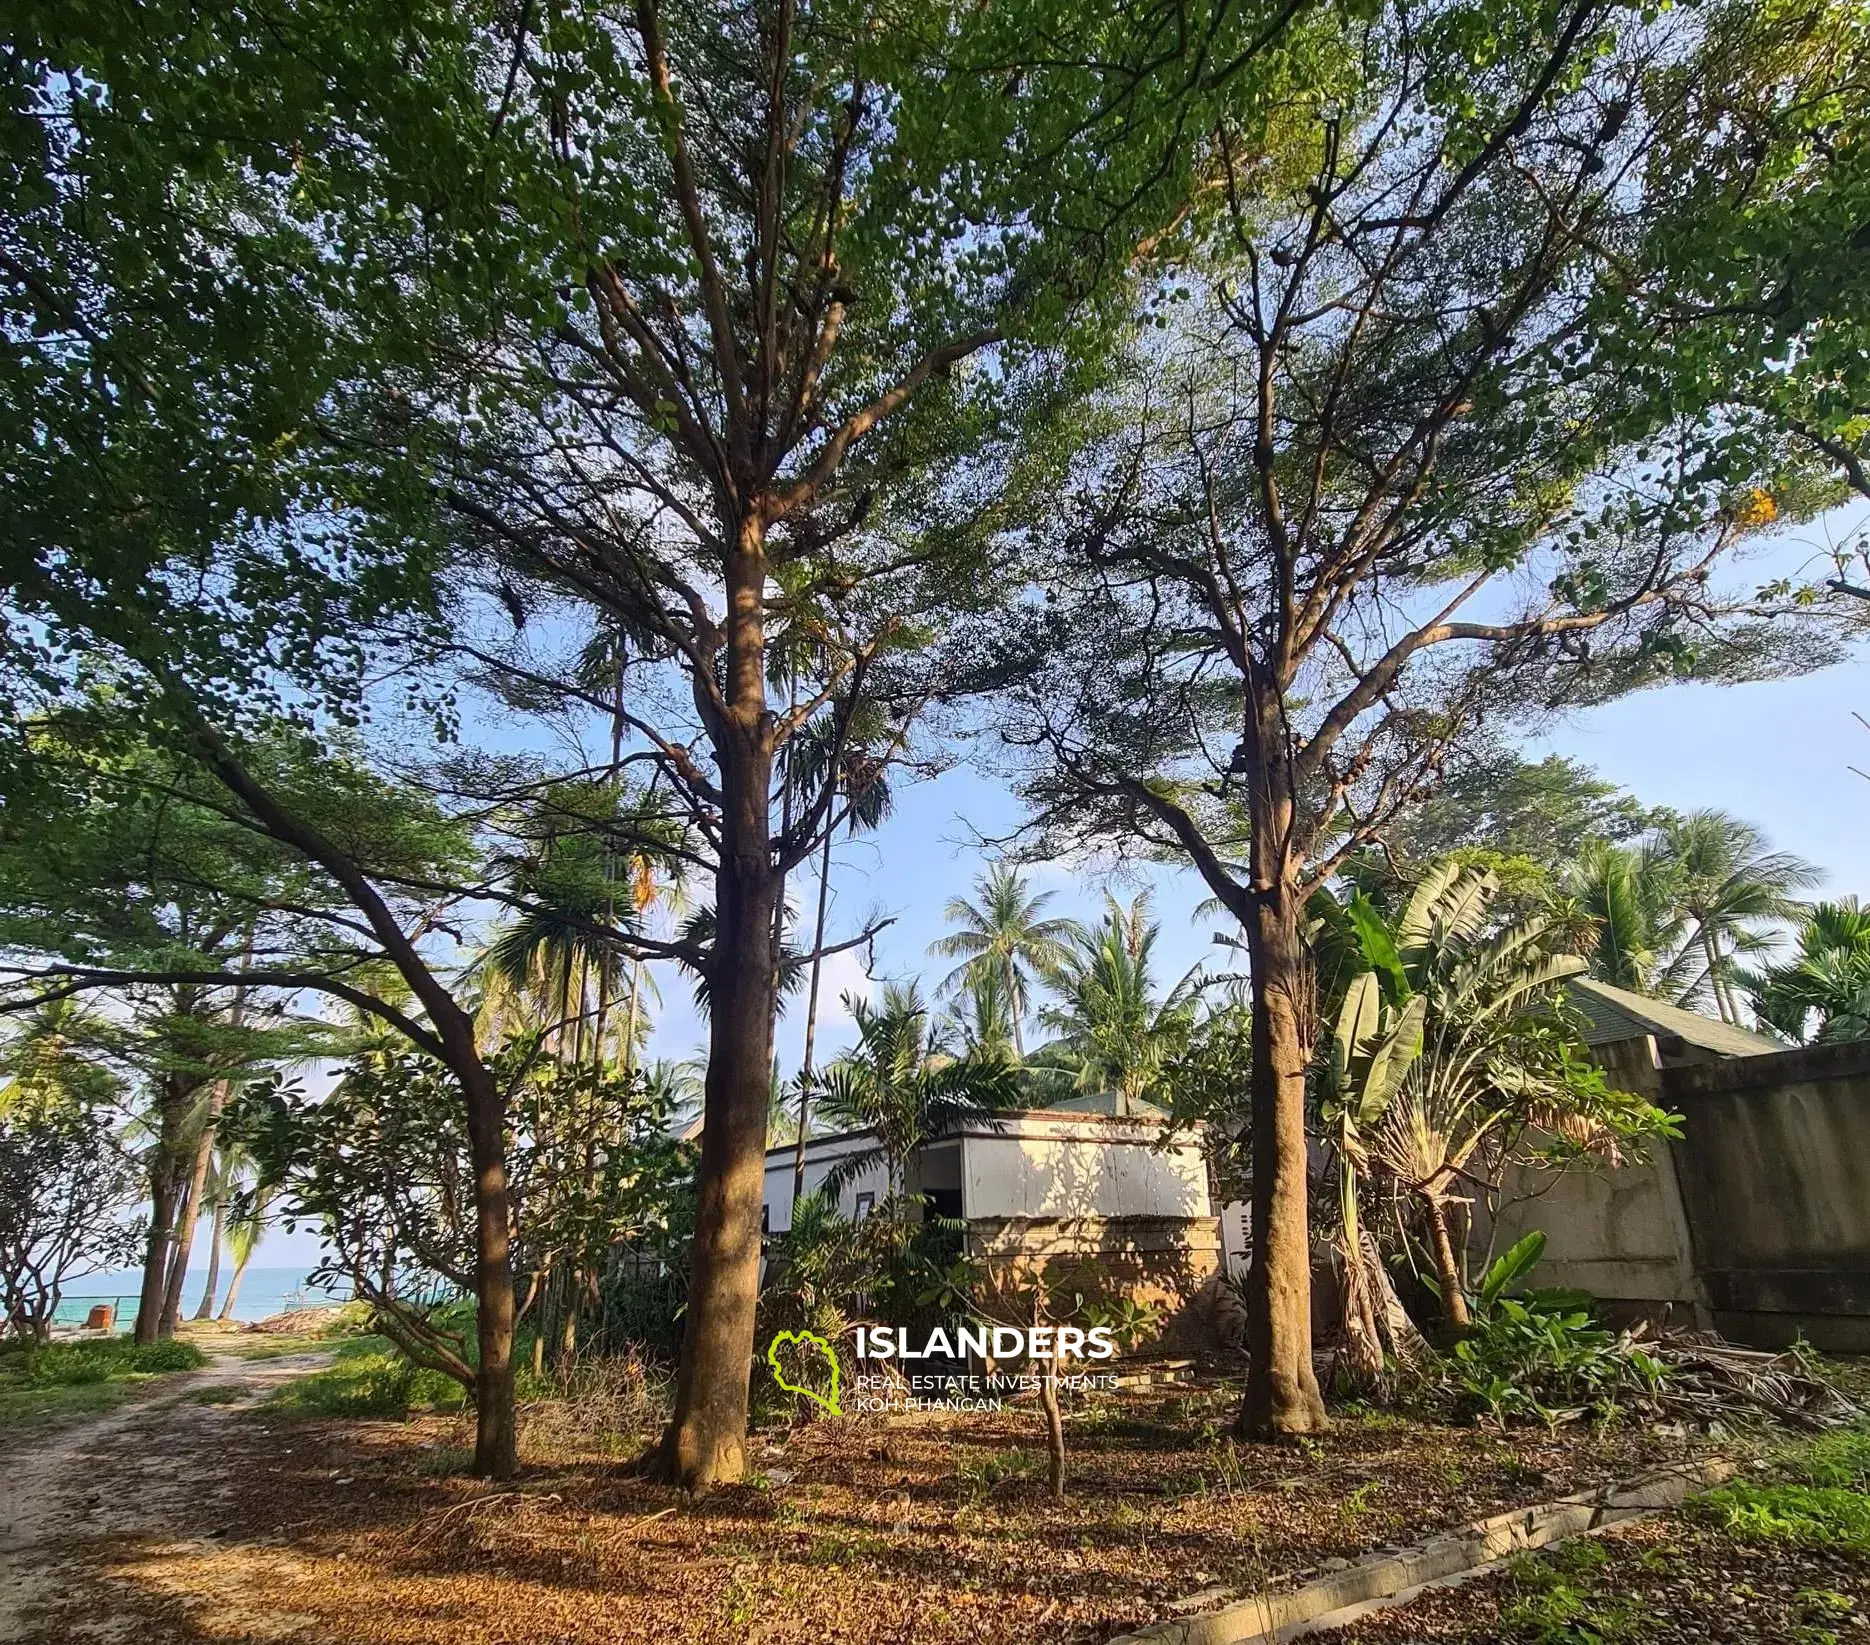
1527,1358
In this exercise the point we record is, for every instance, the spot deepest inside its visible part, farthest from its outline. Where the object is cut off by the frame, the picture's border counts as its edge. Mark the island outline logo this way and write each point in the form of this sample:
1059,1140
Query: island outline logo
805,1339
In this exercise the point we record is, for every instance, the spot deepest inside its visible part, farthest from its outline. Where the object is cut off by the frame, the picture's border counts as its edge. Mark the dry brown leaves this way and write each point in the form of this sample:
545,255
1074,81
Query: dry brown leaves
931,1528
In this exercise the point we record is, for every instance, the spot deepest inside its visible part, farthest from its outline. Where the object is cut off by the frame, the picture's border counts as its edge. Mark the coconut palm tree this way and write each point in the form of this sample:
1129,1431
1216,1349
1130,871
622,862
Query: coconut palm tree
58,1057
600,860
982,1018
1114,1032
1727,883
1618,909
1003,930
1829,977
861,783
898,1083
244,1227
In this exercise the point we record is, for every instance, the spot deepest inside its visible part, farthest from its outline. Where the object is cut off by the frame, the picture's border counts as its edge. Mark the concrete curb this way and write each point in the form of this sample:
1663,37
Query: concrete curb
1379,1578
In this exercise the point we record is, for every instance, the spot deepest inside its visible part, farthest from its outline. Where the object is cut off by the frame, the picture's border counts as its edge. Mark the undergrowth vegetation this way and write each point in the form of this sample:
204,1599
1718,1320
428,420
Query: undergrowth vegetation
1818,1496
48,1383
369,1378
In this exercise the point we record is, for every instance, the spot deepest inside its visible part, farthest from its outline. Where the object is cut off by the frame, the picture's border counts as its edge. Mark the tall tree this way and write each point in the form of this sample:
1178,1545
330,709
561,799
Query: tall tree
1727,882
1003,930
1116,1033
660,310
742,398
1618,903
1822,993
1376,493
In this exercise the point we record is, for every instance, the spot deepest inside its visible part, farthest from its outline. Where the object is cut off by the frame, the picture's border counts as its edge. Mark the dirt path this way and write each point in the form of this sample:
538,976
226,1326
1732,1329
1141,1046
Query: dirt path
120,1474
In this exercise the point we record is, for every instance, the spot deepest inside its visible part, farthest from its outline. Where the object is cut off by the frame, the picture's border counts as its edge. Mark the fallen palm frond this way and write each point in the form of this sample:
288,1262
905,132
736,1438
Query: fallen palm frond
1708,1381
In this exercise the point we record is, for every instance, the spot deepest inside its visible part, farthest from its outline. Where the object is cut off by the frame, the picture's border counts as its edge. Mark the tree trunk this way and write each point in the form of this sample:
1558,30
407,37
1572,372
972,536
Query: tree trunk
496,1437
1712,956
811,1023
705,1443
1360,1348
190,1211
205,1310
1048,1403
165,1192
1282,1400
1454,1309
233,1285
1013,1012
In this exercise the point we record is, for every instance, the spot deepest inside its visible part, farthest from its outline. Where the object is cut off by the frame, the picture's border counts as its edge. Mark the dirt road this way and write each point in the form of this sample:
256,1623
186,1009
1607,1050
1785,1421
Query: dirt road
120,1474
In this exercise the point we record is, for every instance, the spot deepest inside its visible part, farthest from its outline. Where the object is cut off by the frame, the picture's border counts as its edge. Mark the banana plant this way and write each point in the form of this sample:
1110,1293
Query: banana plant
1371,1050
1450,1041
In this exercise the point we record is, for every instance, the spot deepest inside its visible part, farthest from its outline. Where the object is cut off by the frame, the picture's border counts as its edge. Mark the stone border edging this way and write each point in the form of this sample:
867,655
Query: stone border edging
1381,1577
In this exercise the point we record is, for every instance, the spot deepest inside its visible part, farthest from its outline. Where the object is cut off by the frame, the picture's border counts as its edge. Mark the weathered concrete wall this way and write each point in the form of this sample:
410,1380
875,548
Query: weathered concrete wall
1775,1174
1171,1264
1064,1166
1757,1222
1620,1234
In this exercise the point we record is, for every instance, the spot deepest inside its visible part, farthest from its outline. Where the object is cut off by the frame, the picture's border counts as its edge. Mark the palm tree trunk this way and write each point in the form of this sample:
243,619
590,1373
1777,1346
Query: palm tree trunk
1454,1309
811,1024
1360,1354
165,1195
1013,1011
233,1284
629,1026
1713,957
190,1211
606,962
205,1310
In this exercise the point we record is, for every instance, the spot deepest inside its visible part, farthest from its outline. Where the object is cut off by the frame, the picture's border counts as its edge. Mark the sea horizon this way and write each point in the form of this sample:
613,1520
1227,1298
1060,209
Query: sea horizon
264,1292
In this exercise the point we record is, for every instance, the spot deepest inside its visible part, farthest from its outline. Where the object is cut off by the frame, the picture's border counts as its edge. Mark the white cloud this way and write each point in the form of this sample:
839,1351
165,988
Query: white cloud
842,974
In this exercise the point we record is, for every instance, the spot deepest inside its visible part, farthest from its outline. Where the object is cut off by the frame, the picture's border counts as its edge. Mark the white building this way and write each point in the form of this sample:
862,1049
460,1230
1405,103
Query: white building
1056,1188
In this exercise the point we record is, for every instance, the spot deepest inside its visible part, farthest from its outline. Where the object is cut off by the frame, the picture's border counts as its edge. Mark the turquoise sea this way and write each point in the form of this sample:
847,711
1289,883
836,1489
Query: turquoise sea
263,1291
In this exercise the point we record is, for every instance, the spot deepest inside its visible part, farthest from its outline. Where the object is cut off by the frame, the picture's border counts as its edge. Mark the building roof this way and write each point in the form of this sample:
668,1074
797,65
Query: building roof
1612,1013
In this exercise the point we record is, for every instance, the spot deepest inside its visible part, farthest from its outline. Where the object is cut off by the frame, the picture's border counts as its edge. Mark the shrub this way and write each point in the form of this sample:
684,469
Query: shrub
1530,1359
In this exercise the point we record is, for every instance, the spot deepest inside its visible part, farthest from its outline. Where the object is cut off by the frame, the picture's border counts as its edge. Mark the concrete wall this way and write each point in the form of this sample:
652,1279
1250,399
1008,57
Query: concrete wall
1775,1175
1169,1264
1074,1166
1757,1222
820,1156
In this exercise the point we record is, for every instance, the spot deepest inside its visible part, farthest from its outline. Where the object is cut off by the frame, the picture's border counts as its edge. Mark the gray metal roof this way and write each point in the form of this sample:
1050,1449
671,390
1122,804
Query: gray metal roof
1617,1014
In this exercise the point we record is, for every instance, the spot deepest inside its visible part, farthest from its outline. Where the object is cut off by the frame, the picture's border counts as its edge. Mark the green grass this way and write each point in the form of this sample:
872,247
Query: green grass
1555,1600
369,1379
64,1380
1820,1499
1812,1516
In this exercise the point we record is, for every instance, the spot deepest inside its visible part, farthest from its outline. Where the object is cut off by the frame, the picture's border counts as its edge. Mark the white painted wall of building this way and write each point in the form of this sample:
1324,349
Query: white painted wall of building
1041,1165
821,1155
1075,1169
